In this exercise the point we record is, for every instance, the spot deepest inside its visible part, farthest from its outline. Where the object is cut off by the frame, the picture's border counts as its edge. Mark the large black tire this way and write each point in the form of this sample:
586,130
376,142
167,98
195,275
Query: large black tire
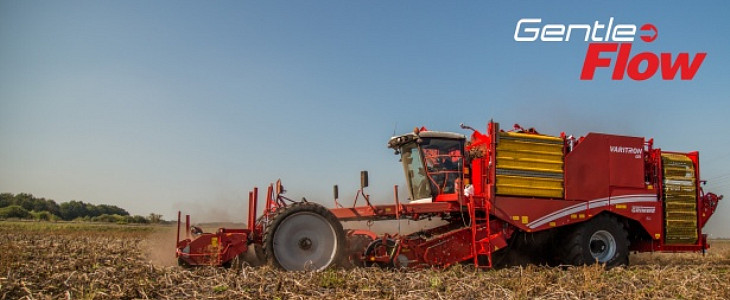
601,240
304,237
523,248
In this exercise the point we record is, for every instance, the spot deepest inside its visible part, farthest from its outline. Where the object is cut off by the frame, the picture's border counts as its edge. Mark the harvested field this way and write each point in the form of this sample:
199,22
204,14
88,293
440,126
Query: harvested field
88,261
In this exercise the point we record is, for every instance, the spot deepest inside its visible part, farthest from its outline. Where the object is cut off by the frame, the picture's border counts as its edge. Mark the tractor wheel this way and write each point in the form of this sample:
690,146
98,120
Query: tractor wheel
602,240
304,236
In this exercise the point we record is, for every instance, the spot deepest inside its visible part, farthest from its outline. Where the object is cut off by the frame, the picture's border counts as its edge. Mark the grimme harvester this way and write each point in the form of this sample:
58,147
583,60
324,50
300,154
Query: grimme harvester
506,197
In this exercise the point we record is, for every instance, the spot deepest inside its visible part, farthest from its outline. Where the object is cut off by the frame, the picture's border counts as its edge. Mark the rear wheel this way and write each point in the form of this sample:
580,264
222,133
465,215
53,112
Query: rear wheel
304,236
602,240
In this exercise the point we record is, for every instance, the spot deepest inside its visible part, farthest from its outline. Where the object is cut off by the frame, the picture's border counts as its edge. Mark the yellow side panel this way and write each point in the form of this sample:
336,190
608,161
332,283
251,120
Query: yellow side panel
670,159
681,206
535,165
522,151
530,136
529,186
520,145
529,192
532,182
680,199
677,172
527,154
539,156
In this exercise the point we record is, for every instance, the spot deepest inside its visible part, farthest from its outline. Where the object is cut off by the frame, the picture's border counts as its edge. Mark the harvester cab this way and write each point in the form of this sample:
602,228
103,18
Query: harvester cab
433,163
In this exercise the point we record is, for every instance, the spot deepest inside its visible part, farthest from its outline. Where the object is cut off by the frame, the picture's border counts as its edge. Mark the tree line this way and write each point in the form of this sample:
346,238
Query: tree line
26,206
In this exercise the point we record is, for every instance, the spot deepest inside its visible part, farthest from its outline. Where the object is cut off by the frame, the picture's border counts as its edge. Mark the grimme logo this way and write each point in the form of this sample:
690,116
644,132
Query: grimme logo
617,39
643,209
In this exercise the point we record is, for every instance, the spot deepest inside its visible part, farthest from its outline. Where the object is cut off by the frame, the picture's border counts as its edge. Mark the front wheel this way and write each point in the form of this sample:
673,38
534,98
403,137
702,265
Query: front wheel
602,240
304,236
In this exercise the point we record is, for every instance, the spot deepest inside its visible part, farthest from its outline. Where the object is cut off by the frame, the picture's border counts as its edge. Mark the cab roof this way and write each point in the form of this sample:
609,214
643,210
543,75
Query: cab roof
397,141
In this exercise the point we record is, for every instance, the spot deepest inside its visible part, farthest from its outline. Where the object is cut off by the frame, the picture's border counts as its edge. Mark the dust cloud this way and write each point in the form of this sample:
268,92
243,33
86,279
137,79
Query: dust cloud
159,247
214,211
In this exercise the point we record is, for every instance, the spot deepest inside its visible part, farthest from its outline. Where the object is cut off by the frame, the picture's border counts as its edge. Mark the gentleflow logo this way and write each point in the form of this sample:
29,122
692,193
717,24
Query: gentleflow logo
610,47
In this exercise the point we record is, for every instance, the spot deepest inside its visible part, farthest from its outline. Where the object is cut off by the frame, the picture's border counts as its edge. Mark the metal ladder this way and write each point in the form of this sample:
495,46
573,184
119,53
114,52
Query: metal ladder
480,246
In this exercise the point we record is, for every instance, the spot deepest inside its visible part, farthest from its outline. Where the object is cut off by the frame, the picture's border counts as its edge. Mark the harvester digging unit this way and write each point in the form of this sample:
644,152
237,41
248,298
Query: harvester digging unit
506,197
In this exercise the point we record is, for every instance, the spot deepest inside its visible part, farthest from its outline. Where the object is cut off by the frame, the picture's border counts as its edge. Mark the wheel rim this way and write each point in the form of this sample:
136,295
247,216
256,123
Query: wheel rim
305,241
602,246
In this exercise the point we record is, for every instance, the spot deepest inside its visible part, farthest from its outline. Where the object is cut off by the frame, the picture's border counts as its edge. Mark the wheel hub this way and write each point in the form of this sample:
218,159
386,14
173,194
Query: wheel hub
305,243
602,246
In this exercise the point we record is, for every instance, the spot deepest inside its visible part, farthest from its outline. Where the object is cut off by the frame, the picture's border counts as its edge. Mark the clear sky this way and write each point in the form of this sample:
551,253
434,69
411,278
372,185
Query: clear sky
156,106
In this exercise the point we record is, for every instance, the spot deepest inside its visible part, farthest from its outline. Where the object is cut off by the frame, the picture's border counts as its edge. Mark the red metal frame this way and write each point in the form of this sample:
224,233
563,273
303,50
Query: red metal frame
413,211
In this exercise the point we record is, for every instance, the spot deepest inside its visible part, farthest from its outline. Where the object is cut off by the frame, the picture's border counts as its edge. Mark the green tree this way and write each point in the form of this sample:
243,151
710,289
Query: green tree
38,204
108,218
14,211
24,200
111,210
44,216
72,210
138,219
91,210
53,208
6,199
154,218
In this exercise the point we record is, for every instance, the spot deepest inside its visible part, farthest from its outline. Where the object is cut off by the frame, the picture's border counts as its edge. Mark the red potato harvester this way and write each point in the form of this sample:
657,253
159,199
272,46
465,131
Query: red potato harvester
505,197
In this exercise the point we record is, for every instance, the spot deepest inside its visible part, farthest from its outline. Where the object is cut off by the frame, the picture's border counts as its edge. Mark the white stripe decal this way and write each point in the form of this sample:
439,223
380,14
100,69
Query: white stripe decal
568,210
601,202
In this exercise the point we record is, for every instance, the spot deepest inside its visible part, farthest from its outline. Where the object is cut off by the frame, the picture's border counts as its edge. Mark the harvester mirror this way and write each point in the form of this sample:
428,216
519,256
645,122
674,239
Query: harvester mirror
336,192
363,179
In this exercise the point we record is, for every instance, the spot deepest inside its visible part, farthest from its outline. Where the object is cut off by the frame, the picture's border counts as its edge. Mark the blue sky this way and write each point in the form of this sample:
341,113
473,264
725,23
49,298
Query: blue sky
166,105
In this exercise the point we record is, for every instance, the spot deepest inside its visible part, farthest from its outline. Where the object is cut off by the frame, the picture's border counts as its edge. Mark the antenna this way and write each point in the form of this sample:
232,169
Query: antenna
394,128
